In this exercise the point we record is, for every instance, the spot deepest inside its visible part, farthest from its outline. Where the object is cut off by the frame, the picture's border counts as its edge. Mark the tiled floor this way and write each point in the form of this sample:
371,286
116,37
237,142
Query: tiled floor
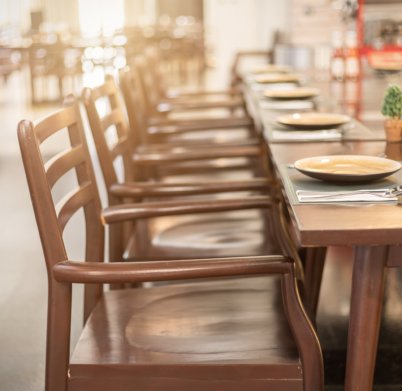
23,282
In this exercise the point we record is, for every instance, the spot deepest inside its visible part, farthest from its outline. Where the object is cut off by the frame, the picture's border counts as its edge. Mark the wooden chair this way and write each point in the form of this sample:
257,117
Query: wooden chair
232,334
267,55
10,61
164,102
160,107
153,129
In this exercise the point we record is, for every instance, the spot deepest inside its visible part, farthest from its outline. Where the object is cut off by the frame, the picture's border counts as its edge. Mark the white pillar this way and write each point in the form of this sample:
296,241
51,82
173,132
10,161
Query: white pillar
233,25
150,10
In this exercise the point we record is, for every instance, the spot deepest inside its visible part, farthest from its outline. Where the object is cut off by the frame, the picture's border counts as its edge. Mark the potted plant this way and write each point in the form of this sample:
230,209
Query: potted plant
392,108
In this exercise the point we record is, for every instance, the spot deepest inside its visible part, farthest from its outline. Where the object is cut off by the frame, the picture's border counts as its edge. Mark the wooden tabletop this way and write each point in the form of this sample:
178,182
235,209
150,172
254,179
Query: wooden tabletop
343,223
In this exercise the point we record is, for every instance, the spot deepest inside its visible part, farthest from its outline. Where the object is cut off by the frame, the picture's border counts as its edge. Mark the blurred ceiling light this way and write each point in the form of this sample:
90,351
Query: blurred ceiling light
100,17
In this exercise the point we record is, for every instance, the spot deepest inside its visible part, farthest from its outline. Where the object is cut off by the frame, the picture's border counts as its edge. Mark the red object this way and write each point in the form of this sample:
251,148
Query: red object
367,50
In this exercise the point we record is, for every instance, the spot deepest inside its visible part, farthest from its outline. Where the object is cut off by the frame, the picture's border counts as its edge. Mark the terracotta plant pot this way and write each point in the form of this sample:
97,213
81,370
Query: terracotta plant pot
393,130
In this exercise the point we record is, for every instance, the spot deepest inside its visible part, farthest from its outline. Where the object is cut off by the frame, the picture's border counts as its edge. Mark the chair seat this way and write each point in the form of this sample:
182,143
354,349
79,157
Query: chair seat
237,233
172,337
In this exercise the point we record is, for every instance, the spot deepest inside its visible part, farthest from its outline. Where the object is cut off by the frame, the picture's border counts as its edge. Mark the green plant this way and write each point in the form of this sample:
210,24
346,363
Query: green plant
392,106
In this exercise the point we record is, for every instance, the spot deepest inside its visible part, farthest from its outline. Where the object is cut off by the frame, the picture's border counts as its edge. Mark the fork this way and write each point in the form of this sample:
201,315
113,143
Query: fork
389,192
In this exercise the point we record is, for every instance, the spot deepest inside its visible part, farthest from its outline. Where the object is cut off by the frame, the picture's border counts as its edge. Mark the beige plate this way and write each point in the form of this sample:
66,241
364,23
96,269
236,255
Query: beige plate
272,68
347,168
277,78
313,120
296,93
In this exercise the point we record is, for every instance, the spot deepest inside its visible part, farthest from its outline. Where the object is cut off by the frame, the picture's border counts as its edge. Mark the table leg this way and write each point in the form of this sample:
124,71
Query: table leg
365,316
313,269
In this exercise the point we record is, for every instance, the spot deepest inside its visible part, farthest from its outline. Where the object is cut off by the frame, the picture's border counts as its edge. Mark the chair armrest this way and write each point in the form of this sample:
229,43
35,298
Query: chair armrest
168,127
176,155
126,212
132,272
145,189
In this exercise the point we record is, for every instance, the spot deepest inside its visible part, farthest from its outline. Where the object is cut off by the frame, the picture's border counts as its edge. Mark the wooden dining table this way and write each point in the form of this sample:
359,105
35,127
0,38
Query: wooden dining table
374,230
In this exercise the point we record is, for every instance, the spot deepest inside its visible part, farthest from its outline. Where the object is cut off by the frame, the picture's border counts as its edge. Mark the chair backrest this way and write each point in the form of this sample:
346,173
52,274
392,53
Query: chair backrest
153,61
52,216
134,99
110,130
149,86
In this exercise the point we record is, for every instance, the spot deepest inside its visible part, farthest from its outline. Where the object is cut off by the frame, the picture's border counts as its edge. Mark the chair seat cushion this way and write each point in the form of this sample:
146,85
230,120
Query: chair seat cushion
212,332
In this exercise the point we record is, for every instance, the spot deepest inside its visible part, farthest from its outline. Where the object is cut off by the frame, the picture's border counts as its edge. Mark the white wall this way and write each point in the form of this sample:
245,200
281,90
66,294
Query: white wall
233,25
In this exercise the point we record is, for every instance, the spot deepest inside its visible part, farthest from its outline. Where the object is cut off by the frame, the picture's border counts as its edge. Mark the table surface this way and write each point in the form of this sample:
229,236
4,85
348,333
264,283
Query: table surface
359,223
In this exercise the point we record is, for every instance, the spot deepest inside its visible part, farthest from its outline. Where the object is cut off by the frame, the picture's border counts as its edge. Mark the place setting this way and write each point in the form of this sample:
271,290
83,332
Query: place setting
345,178
274,81
295,98
310,126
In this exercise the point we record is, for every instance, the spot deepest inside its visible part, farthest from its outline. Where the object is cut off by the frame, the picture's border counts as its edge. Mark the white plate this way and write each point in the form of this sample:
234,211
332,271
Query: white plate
313,120
347,168
296,93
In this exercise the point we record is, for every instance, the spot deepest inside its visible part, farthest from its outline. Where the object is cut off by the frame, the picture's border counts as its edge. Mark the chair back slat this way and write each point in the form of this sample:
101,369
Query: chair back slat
122,147
150,91
135,104
63,162
112,118
44,128
153,60
72,202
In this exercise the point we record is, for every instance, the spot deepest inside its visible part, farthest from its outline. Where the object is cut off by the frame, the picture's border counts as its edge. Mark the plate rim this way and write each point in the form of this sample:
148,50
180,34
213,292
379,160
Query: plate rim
292,78
314,92
280,121
327,176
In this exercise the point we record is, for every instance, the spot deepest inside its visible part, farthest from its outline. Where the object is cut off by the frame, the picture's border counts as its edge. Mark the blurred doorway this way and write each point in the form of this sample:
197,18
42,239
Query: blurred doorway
175,8
100,17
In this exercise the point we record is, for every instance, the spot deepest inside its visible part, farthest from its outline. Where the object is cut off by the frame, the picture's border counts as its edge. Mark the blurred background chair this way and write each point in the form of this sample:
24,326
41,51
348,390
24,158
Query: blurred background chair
49,62
10,61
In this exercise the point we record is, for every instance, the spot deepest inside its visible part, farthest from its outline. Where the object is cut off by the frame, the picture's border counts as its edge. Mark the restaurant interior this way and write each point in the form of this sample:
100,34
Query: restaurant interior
201,194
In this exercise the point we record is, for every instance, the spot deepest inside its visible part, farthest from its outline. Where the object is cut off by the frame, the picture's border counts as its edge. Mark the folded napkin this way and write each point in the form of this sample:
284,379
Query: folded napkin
306,135
375,195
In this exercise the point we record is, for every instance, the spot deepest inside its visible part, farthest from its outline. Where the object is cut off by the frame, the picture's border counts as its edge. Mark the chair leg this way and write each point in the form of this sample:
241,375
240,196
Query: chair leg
116,247
58,336
304,334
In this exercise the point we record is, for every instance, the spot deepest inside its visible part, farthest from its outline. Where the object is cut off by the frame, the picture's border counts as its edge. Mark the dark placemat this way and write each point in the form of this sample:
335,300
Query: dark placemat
354,130
294,180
